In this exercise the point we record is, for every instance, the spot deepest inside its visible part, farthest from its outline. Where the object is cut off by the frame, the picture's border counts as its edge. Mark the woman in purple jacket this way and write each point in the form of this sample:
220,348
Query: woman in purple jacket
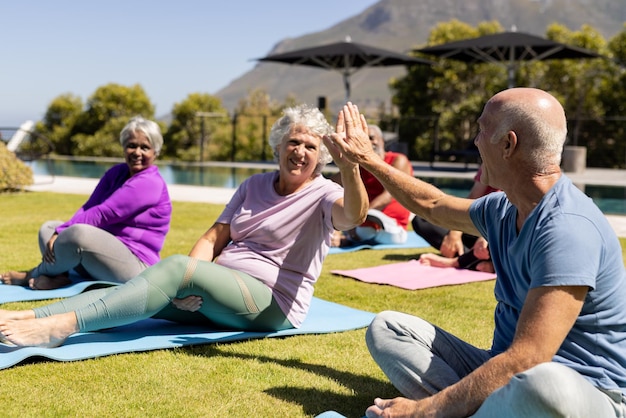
121,228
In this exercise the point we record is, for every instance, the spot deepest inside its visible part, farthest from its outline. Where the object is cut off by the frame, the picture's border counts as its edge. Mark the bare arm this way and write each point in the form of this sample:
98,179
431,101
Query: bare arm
211,243
547,317
421,198
352,209
49,256
208,246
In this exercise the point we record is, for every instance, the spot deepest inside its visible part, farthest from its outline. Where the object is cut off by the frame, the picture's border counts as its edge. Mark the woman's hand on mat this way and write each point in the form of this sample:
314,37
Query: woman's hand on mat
48,257
481,249
190,303
452,244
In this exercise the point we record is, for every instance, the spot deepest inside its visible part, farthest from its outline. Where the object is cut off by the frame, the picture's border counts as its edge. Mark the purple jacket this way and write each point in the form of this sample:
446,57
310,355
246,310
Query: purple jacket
137,210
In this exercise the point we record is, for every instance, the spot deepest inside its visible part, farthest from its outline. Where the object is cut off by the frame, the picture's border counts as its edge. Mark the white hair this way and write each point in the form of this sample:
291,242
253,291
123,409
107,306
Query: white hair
306,116
149,128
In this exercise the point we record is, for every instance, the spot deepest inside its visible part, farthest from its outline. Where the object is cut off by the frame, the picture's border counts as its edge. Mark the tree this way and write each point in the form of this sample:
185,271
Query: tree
612,99
94,130
113,101
576,82
453,93
59,121
97,130
255,115
446,99
198,115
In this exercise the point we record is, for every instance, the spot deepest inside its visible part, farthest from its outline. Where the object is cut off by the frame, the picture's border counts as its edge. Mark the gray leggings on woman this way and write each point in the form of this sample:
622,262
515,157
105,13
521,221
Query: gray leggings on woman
421,359
230,299
93,252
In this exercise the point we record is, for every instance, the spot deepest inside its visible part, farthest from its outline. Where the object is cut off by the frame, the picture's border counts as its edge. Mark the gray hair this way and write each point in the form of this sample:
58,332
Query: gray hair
375,130
149,128
305,116
543,140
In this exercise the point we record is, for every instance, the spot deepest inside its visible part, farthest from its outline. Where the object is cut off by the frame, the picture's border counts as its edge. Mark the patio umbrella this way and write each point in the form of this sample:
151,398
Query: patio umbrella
507,49
346,57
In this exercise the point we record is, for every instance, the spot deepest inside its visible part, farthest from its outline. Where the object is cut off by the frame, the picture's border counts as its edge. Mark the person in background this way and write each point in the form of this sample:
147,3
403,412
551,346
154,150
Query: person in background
559,343
253,269
457,249
387,220
121,228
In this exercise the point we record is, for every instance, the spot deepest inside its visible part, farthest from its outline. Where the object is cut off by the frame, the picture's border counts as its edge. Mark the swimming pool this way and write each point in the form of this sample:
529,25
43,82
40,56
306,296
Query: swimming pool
610,199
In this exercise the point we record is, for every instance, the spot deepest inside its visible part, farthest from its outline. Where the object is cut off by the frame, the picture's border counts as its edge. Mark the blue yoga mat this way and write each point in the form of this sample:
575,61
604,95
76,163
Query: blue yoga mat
154,334
413,241
330,414
22,294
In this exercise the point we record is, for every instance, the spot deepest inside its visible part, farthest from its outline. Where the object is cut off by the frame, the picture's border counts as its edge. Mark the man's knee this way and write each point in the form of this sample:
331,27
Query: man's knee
377,333
377,325
388,326
539,383
548,387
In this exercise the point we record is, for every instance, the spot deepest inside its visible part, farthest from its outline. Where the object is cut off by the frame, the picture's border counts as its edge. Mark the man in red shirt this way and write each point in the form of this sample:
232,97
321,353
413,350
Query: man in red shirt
387,219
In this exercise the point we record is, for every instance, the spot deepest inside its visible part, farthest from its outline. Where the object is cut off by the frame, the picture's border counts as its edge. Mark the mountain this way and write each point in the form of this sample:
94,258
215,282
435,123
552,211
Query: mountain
402,25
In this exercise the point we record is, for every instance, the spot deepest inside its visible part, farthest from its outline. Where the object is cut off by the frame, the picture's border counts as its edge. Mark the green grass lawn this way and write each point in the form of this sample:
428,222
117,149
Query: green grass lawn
299,376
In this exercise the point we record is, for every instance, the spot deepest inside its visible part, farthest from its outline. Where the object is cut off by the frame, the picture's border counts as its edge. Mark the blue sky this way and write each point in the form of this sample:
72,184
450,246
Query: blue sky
171,48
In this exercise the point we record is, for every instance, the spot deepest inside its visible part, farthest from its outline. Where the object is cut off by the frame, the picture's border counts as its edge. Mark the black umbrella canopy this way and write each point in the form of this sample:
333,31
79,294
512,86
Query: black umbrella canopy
507,48
346,57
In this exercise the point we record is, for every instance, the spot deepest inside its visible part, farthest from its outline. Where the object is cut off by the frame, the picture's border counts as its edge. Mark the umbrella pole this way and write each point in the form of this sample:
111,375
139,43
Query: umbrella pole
511,67
346,84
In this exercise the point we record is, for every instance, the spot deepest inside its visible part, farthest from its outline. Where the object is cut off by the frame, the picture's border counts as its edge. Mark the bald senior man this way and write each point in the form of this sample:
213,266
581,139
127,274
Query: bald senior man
559,344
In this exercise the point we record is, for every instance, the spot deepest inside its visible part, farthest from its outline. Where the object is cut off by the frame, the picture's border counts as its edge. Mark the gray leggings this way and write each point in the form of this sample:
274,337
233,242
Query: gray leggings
421,359
231,299
93,252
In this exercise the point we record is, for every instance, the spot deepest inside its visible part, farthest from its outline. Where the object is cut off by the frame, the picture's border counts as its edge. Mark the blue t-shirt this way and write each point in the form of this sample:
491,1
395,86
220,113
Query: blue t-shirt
566,241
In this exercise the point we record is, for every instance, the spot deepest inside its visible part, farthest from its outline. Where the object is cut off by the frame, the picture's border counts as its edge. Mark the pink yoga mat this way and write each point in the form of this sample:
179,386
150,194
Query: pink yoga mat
414,275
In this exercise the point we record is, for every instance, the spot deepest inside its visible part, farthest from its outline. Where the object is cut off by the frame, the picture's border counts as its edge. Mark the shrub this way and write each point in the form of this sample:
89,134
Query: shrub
14,174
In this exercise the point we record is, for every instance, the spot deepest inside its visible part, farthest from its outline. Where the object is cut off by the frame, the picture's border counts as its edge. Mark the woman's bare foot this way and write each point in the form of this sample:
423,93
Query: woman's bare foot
435,260
6,315
486,267
16,278
50,331
48,283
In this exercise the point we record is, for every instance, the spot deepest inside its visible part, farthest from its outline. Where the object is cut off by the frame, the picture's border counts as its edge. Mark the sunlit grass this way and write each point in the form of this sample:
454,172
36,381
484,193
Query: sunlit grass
298,376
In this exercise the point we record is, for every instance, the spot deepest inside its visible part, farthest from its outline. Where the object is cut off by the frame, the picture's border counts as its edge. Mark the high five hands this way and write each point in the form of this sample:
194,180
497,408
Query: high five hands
350,142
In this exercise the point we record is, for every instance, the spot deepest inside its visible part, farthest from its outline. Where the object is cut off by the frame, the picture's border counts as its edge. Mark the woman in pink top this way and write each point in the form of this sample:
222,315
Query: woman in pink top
254,269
